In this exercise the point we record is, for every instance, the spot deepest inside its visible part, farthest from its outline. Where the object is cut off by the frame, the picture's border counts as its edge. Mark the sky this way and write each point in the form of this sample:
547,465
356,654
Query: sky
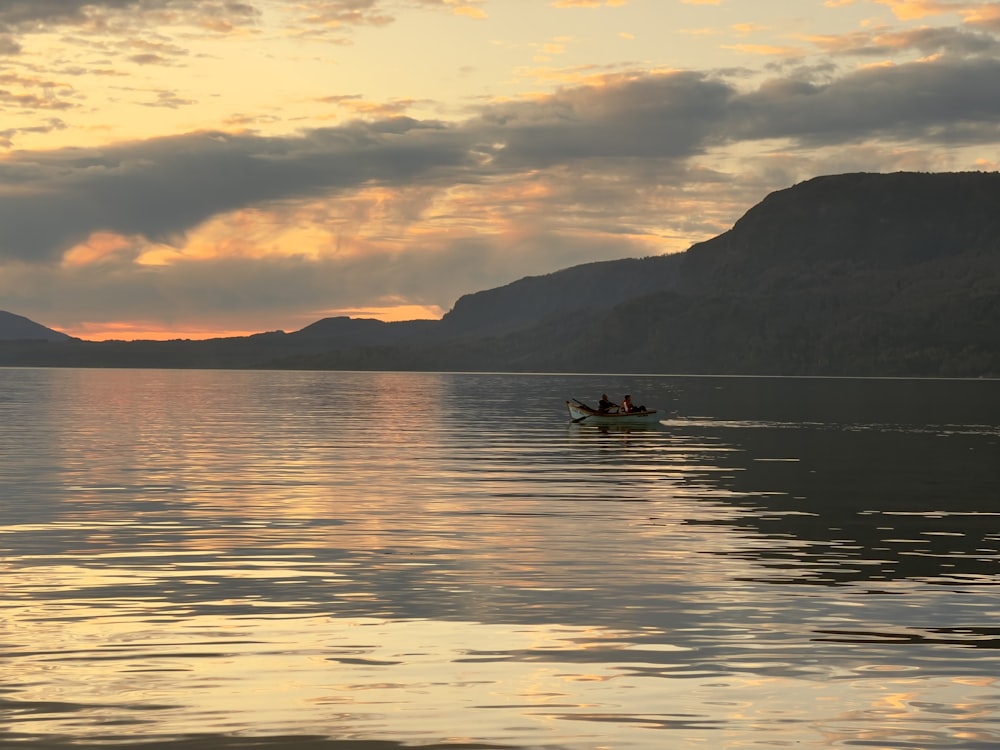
200,168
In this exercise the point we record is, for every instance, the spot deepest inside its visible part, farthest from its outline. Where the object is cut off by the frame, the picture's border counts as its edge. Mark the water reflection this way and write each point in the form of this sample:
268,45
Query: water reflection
191,557
870,505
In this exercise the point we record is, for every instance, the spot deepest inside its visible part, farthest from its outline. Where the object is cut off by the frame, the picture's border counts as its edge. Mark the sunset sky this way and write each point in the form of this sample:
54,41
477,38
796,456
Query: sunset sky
194,168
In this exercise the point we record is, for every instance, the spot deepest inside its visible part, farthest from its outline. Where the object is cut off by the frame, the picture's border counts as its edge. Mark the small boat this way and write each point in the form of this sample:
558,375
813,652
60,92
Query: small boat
580,413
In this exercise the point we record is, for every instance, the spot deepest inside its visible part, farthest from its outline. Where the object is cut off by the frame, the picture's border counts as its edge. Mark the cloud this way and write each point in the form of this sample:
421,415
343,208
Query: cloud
901,102
163,188
34,13
26,16
909,10
22,17
926,41
660,116
984,16
343,13
977,13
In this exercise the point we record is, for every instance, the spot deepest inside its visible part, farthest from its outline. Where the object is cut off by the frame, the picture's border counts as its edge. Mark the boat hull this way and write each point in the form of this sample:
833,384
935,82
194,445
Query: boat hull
581,414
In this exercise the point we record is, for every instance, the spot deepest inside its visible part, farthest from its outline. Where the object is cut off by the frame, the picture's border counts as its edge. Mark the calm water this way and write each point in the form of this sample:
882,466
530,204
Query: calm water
211,559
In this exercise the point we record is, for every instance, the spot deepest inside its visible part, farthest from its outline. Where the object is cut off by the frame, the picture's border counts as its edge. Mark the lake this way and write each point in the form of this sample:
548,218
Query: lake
195,560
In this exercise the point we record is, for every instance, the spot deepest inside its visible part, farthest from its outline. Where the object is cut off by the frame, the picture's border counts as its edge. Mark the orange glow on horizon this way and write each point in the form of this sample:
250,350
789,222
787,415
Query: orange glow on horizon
153,331
393,314
139,331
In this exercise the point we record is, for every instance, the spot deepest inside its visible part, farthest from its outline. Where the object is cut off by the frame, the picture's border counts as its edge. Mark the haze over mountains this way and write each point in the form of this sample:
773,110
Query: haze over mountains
854,274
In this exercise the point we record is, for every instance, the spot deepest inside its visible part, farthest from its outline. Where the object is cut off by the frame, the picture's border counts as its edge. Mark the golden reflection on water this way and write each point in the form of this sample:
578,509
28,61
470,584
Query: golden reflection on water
300,674
292,675
254,554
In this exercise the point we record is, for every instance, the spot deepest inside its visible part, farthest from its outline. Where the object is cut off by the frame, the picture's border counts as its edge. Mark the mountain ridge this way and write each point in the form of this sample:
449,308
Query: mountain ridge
856,274
19,328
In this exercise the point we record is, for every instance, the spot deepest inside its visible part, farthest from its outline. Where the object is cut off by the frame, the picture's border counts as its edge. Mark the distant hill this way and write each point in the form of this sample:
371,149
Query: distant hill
16,327
855,274
592,286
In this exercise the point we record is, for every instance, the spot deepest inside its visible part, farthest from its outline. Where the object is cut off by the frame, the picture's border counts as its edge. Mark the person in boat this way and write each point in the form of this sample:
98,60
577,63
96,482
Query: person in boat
628,406
604,406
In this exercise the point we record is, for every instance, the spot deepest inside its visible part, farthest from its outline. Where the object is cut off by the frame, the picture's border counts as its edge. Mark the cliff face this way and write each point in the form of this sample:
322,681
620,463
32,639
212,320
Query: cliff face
860,220
856,274
862,274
